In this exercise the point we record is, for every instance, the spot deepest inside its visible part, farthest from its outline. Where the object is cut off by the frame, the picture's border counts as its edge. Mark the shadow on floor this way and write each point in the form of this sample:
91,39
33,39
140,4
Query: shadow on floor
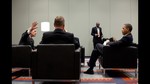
115,74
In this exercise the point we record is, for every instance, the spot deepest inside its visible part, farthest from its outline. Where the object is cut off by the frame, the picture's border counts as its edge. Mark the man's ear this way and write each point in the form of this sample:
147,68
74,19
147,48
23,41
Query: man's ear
128,29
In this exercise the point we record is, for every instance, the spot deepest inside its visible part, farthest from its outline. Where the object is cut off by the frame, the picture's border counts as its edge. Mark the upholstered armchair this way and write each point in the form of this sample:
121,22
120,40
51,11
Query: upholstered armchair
21,59
56,62
125,57
82,55
21,56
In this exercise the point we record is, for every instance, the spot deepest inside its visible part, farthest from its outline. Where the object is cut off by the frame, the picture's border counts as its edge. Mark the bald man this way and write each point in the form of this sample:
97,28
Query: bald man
97,34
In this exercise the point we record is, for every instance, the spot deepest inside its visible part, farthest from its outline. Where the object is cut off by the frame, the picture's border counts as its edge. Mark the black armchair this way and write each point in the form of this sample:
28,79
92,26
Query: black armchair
56,62
125,57
82,55
21,59
21,56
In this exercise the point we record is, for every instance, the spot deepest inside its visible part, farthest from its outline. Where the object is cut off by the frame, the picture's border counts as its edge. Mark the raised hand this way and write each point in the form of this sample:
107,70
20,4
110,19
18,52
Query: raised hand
34,25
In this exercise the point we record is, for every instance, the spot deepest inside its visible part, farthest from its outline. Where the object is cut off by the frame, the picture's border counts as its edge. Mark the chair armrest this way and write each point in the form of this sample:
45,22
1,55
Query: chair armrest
106,47
78,50
77,63
82,54
120,57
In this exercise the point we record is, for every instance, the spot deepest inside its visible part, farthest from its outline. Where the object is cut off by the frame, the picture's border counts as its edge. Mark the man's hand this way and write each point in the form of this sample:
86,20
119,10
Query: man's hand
34,26
114,39
96,34
105,43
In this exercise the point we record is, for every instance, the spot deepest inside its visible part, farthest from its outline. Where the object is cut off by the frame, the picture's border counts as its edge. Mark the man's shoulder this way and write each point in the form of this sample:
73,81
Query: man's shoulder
48,32
93,27
76,37
69,33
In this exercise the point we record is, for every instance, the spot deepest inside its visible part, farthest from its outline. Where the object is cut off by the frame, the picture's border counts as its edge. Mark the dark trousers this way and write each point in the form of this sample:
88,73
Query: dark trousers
97,51
97,41
94,56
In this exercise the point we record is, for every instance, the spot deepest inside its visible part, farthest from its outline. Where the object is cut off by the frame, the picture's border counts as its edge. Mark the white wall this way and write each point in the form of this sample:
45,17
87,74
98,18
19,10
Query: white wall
80,17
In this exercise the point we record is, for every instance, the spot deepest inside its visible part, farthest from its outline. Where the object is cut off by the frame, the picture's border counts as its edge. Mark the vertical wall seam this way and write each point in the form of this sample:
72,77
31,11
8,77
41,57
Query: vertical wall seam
130,12
68,14
28,11
48,12
110,18
89,13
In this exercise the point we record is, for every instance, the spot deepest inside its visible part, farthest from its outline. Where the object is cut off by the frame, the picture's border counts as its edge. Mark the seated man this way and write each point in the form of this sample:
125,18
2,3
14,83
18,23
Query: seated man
27,36
77,42
59,35
126,40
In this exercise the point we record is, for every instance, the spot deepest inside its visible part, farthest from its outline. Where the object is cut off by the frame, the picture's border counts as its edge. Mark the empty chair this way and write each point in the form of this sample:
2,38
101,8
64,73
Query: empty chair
21,58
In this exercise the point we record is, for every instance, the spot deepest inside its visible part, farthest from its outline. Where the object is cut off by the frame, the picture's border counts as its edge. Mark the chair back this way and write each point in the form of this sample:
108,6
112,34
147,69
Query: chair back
125,57
56,62
21,56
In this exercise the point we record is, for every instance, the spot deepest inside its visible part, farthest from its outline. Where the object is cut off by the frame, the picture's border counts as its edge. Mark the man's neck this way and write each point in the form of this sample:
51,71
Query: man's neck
59,28
127,33
30,36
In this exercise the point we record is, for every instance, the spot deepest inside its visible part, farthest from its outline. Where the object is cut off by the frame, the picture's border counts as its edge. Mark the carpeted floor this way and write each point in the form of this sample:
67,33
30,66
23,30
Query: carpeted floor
113,76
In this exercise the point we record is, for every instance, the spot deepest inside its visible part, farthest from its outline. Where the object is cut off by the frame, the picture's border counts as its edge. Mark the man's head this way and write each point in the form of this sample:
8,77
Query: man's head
127,28
59,22
33,32
97,24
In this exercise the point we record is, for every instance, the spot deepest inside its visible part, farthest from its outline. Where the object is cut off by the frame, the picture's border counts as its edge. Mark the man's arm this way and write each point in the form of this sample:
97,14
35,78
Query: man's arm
124,41
92,32
76,42
24,38
101,33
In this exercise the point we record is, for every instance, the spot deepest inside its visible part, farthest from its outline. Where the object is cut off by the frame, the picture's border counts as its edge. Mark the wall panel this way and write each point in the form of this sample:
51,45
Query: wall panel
19,19
120,14
38,11
80,16
79,22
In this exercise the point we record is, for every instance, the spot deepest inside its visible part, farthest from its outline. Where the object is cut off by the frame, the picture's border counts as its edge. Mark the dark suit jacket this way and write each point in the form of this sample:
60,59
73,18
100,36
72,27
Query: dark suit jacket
26,40
77,42
96,38
58,36
124,41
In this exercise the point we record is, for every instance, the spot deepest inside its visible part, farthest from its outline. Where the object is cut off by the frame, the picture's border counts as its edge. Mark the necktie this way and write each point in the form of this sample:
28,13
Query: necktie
98,32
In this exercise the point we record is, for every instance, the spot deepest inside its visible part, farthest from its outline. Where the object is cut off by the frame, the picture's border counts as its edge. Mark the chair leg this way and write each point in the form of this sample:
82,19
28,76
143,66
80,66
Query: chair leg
136,73
33,82
100,62
29,72
103,71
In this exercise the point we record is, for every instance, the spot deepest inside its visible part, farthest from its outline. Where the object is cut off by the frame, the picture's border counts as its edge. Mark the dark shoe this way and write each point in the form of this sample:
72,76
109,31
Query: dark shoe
89,72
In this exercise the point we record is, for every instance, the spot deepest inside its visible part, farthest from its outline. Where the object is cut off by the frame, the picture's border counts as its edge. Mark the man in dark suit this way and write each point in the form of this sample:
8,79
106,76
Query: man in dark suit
97,34
27,36
76,42
59,35
126,40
